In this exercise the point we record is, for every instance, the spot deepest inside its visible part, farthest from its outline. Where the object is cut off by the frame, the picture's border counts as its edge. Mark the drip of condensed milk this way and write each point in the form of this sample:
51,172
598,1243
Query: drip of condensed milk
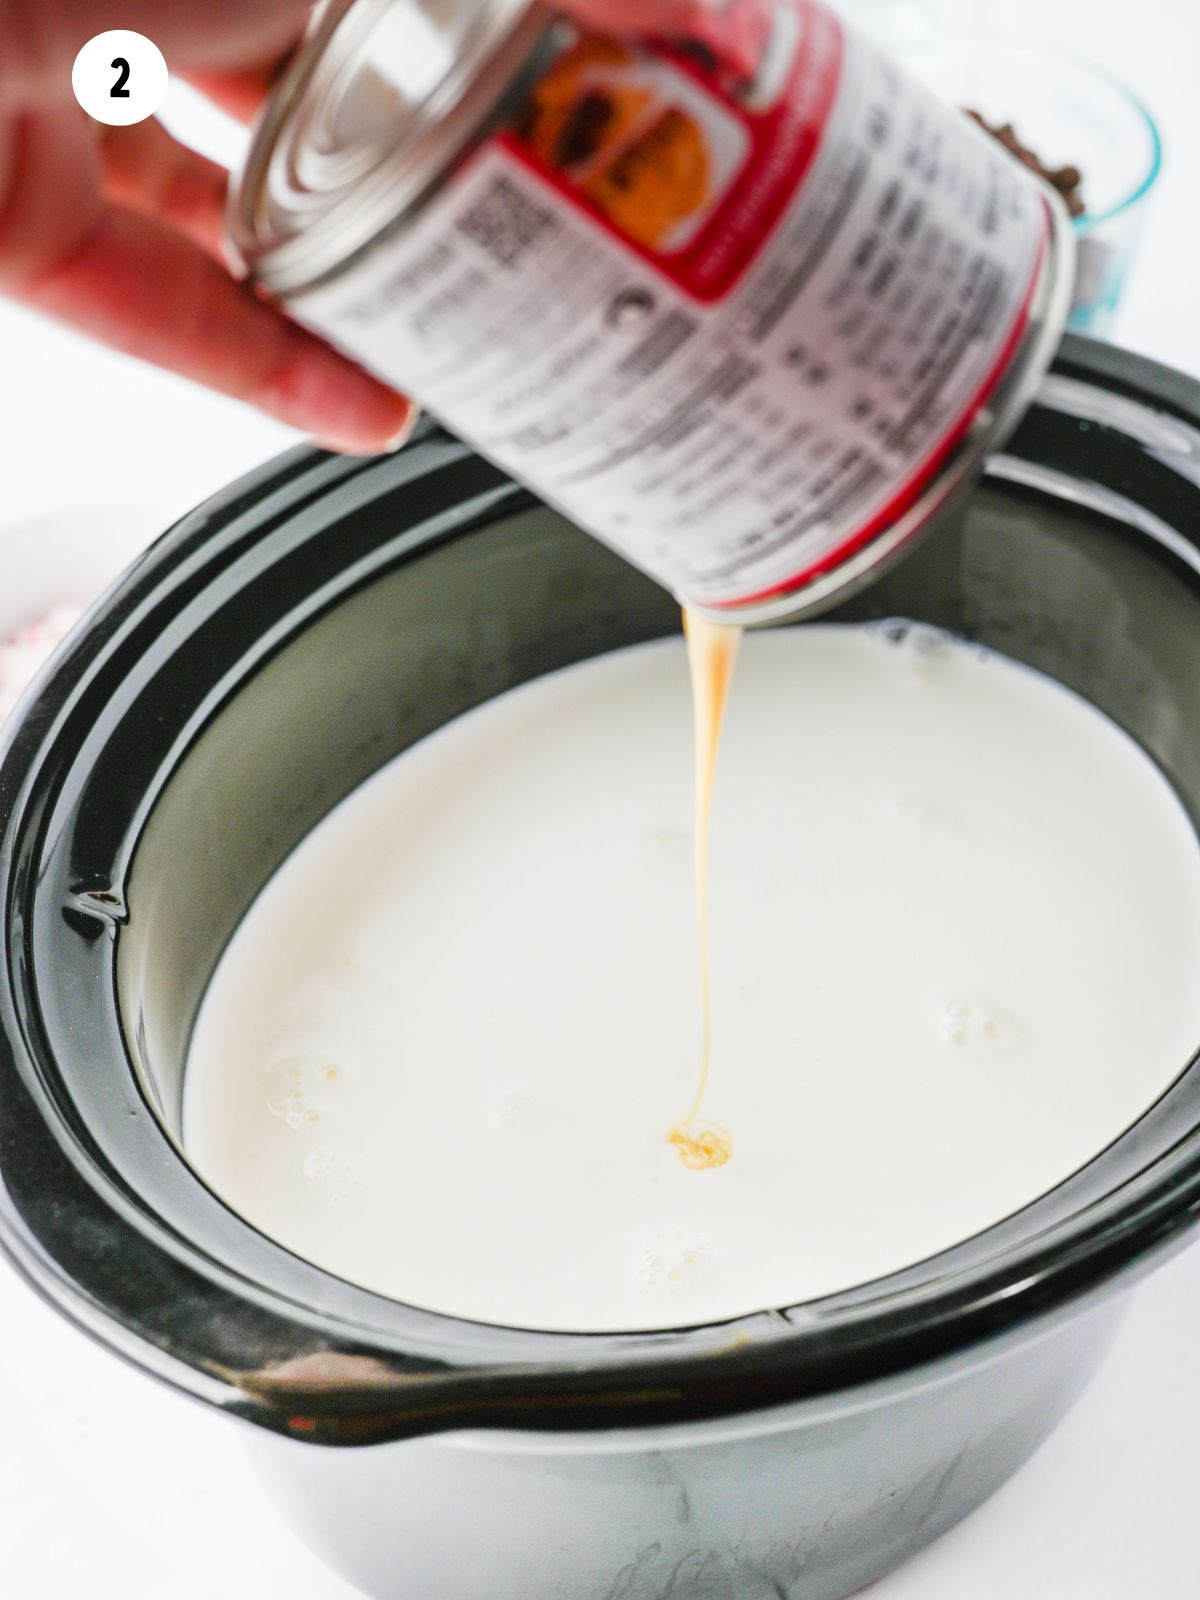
712,649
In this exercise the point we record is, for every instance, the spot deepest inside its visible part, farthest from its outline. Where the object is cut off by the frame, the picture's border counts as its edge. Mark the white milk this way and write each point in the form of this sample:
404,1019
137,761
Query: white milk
955,936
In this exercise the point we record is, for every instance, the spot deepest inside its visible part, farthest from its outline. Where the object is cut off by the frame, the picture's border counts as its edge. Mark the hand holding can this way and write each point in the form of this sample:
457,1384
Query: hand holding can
118,230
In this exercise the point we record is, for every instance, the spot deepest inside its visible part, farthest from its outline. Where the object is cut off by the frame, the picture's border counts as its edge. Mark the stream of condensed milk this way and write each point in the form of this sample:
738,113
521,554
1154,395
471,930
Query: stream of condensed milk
712,649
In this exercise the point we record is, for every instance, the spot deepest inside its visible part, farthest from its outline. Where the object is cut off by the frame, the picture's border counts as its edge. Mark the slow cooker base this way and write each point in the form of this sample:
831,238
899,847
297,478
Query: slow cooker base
810,1502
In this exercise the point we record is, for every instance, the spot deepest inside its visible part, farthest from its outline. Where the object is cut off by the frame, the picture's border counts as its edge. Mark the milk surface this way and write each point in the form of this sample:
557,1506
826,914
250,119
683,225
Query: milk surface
955,931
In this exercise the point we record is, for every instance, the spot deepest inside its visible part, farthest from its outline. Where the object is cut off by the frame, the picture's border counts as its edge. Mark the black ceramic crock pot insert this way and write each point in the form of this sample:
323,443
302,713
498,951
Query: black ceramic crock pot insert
284,641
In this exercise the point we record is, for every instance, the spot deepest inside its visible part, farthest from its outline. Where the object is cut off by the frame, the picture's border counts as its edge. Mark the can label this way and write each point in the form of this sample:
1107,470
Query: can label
731,325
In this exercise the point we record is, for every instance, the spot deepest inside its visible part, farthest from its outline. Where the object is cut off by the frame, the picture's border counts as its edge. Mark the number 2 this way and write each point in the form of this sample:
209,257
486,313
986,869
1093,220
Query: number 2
118,90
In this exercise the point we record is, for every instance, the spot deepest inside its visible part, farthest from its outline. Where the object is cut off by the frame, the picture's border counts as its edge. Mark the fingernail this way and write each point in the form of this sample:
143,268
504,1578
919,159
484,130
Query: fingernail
401,437
358,447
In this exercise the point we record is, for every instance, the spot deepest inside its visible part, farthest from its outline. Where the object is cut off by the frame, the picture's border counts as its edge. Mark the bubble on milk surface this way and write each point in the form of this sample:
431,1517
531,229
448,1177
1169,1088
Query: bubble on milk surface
345,971
981,1030
913,638
307,1001
665,845
922,651
512,1108
304,1087
922,815
339,1172
670,1259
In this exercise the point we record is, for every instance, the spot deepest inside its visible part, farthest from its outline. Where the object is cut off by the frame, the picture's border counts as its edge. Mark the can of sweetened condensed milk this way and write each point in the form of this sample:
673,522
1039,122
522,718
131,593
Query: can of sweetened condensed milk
749,307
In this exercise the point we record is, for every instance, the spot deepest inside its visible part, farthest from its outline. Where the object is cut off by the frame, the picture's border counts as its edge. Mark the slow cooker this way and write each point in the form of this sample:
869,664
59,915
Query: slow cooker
265,656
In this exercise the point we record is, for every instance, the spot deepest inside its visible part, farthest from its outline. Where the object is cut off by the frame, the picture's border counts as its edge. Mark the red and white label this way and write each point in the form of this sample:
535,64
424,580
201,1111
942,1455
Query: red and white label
756,139
731,327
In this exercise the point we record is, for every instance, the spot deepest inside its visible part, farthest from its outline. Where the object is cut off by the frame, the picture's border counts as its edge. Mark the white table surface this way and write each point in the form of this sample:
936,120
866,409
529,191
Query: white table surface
112,1486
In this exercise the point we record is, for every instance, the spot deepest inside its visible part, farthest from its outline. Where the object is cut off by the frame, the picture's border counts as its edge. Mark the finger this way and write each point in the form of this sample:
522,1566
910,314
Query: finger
147,171
134,284
39,41
49,188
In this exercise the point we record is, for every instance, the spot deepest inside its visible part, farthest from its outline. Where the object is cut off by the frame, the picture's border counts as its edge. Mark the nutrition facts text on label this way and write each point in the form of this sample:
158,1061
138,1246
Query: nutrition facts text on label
765,358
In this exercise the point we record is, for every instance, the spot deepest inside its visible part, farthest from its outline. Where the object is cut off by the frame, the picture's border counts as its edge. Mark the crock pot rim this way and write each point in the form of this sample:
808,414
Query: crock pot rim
664,1377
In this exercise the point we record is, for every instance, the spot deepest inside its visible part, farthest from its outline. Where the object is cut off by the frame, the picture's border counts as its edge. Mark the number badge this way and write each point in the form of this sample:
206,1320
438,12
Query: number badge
120,77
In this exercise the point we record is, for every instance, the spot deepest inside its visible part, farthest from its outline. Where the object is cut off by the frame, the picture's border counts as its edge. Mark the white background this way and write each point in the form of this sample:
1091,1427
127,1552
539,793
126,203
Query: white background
110,1486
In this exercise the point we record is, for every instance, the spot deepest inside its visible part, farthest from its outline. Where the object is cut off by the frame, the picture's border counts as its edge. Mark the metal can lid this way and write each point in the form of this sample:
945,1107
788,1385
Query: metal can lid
381,99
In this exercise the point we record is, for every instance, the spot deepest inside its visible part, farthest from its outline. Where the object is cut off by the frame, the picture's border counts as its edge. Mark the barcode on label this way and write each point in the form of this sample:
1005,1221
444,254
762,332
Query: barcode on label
505,222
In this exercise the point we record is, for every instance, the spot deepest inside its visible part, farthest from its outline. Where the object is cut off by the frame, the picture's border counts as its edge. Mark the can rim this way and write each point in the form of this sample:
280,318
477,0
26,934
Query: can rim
301,205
